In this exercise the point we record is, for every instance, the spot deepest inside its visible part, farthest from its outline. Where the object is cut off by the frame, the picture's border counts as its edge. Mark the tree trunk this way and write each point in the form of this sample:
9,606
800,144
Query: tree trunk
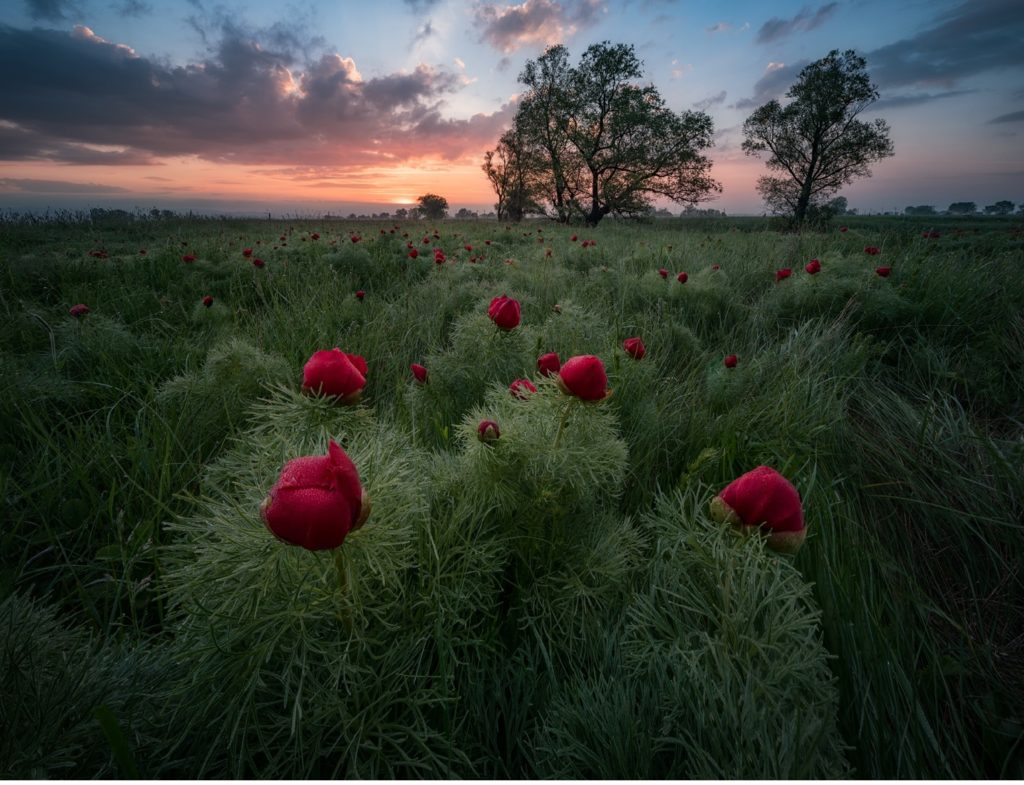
802,203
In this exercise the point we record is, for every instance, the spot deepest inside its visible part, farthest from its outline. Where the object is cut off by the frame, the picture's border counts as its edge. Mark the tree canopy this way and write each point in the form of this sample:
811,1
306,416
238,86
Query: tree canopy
432,206
588,141
815,142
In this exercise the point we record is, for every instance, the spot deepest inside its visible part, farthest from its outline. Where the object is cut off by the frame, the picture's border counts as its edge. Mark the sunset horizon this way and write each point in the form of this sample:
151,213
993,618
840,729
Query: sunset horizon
248,109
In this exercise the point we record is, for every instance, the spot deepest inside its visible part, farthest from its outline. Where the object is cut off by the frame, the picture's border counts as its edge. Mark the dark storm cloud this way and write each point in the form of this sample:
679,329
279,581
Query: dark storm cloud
135,8
775,28
1012,117
50,10
532,22
972,38
76,98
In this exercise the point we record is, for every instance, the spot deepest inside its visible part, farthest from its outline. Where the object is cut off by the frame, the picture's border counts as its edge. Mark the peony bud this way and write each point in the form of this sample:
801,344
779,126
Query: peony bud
360,294
813,267
419,372
317,501
731,360
208,301
548,364
784,273
334,373
78,311
883,272
413,253
872,250
663,272
634,348
504,312
247,252
520,387
258,262
188,258
487,431
584,376
763,499
682,277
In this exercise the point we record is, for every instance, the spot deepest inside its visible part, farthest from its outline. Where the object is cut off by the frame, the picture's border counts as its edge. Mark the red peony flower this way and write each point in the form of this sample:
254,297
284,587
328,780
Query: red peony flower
871,250
78,311
663,272
634,348
813,267
419,372
413,253
781,275
883,272
487,431
763,499
468,247
316,235
682,278
520,387
360,294
188,258
584,376
355,238
336,374
573,239
843,229
548,364
317,501
504,312
208,301
258,263
716,267
731,360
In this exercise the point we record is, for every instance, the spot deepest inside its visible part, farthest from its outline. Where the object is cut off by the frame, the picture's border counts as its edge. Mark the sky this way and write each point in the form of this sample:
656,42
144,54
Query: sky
313,106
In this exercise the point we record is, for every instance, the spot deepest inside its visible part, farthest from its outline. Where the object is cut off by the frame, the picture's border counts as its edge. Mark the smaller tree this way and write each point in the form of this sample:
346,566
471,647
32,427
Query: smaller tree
1003,207
815,142
433,207
921,209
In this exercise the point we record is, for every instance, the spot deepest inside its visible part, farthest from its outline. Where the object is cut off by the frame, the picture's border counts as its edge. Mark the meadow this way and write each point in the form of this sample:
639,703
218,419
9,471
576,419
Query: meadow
557,603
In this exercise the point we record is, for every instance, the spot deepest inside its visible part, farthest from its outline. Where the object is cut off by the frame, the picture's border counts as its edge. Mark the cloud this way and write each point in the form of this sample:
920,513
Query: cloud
426,30
899,101
777,79
77,98
710,101
719,27
533,22
421,5
775,28
29,186
968,39
51,10
134,8
1012,117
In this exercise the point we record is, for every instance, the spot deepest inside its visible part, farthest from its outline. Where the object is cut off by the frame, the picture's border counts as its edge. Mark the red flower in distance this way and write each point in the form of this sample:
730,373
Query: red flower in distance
413,253
78,311
335,374
716,267
663,272
813,267
781,275
763,499
316,235
682,278
883,272
634,348
584,376
317,501
419,373
360,294
488,431
520,387
548,364
258,263
355,238
468,247
731,360
843,229
208,301
872,250
573,239
188,258
504,312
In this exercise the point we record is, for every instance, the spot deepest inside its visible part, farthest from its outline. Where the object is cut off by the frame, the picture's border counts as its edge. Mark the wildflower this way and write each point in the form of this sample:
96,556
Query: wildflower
208,301
682,277
663,272
258,263
584,376
317,501
813,267
504,312
419,373
883,272
731,360
520,387
872,250
78,311
188,258
635,348
548,364
360,294
763,499
413,253
336,374
487,431
784,273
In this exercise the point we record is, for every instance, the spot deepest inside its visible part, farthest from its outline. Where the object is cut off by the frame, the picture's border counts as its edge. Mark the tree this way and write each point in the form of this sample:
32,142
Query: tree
590,142
433,207
401,213
1003,207
963,208
815,142
921,209
511,167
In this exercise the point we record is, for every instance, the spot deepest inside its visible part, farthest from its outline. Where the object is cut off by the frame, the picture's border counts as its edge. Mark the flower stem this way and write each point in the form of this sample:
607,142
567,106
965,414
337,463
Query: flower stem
561,423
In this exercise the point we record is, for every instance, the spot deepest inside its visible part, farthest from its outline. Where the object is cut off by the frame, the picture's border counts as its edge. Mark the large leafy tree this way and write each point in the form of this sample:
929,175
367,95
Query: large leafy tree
433,207
815,142
595,142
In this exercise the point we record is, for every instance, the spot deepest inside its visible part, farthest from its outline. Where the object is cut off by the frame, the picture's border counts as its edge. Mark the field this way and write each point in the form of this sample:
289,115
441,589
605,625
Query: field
557,603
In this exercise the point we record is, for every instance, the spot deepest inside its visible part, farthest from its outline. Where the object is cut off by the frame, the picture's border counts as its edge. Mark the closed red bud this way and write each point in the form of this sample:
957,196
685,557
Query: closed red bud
634,348
584,376
188,258
548,364
883,272
336,374
419,372
208,301
813,267
78,311
731,360
682,277
872,250
504,312
317,501
763,499
487,431
520,387
360,294
257,262
663,272
781,275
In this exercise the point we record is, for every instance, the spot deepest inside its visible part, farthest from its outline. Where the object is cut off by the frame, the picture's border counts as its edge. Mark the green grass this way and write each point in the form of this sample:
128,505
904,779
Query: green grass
557,604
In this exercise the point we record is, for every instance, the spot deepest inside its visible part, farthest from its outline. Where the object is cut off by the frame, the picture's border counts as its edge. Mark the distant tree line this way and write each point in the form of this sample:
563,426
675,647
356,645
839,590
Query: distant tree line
1003,207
